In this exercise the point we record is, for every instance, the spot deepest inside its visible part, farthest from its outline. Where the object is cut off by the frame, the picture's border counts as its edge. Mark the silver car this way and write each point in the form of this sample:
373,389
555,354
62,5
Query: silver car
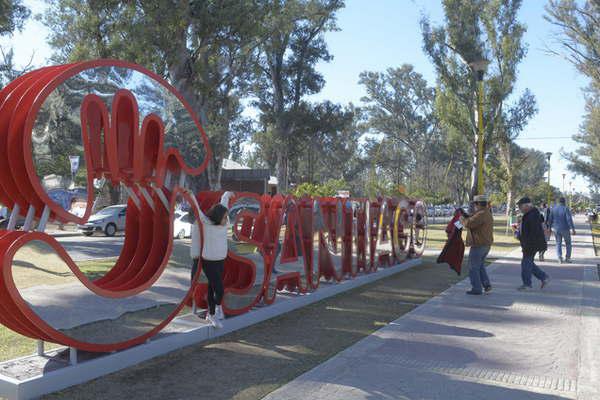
108,220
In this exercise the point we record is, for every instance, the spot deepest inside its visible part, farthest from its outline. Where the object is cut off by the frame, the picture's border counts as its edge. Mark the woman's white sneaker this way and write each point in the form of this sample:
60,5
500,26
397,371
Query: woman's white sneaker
214,321
219,313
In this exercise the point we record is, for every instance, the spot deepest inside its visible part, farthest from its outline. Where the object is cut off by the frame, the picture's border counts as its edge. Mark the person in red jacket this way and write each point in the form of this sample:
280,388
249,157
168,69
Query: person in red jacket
454,249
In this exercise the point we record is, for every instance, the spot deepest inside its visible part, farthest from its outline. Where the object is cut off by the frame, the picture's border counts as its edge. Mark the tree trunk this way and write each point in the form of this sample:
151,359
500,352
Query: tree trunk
214,171
282,171
509,183
509,200
115,193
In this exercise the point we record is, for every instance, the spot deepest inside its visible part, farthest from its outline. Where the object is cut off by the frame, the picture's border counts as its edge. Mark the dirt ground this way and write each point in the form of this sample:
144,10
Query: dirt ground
250,363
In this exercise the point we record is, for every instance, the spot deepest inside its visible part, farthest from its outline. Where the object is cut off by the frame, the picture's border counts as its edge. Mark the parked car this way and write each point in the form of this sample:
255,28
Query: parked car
20,222
182,225
109,220
236,209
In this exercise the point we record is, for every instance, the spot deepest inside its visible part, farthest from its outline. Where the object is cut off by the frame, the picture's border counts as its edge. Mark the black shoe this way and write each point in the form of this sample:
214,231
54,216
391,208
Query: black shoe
474,293
487,288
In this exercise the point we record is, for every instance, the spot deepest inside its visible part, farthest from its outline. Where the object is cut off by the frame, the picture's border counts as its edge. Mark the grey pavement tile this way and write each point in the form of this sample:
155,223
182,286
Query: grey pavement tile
506,345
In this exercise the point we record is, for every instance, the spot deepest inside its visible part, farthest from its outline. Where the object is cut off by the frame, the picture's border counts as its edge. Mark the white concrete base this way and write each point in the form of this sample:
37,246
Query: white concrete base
185,330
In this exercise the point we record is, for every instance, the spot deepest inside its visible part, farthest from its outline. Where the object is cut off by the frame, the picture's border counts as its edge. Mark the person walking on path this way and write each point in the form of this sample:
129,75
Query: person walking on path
531,236
214,251
561,222
545,211
480,237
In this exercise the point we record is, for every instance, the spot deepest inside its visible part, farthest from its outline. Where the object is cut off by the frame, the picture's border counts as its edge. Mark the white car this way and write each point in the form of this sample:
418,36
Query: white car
182,225
108,220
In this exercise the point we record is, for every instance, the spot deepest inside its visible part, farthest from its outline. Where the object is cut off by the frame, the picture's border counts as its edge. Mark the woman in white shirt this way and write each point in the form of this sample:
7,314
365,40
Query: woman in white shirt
214,251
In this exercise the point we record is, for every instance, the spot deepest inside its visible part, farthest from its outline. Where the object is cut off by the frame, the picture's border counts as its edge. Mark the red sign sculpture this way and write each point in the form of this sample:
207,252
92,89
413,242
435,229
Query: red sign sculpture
134,130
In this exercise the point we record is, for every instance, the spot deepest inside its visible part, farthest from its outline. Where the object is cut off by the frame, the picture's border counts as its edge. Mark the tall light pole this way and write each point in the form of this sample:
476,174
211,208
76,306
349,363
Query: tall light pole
570,194
479,67
564,190
548,155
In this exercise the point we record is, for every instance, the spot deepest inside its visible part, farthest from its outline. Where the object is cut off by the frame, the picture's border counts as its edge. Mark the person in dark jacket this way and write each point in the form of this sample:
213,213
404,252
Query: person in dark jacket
531,236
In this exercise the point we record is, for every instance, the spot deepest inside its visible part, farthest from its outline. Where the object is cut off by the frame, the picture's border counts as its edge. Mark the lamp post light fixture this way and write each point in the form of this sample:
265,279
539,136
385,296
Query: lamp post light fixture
570,194
548,155
479,67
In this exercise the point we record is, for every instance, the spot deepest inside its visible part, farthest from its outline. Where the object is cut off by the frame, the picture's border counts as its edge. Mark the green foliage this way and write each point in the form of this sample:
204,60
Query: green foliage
378,185
228,54
476,30
206,49
538,193
327,143
577,23
432,197
579,37
293,45
13,15
326,189
399,109
586,159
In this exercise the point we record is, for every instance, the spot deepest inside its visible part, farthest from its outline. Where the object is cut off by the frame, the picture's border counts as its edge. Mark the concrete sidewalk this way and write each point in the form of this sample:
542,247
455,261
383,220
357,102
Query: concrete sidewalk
506,345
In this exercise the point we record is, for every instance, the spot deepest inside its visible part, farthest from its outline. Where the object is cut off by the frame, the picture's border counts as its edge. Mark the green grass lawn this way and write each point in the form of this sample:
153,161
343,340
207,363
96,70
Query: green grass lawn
14,345
503,243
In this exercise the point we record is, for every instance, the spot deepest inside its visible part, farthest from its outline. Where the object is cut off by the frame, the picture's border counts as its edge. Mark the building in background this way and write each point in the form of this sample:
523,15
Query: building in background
239,178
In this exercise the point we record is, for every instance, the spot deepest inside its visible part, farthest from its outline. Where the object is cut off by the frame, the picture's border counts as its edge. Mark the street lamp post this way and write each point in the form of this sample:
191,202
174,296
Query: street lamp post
564,190
479,67
548,155
570,194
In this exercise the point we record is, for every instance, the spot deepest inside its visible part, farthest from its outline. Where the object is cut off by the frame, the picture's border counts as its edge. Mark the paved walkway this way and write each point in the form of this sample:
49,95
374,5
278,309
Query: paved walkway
506,345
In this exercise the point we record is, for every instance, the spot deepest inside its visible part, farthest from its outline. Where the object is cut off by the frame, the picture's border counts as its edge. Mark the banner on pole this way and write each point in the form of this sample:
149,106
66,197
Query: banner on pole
74,164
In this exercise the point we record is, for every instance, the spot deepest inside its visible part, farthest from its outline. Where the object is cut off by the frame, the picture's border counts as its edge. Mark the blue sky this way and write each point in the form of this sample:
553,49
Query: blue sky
378,34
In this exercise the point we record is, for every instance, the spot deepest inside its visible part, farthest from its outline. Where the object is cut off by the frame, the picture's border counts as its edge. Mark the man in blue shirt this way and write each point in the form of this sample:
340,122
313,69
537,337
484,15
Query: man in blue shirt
561,221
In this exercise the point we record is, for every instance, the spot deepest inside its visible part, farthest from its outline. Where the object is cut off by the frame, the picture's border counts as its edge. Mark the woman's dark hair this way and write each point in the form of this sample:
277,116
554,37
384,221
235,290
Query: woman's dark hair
216,213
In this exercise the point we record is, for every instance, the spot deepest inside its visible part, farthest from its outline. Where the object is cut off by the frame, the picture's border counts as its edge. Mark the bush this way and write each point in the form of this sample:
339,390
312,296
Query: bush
326,189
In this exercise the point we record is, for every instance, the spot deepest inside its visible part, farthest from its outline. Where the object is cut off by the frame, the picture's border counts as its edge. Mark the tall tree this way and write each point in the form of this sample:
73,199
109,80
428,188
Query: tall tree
509,126
287,70
586,159
525,173
327,145
579,39
400,106
476,30
205,48
579,36
13,15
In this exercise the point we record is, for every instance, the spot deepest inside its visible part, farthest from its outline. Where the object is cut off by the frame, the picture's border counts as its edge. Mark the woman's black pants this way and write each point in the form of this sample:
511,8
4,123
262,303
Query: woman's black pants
213,269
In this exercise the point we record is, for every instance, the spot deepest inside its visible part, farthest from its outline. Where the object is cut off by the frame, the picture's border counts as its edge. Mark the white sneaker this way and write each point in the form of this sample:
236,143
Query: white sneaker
560,260
524,288
214,321
219,313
